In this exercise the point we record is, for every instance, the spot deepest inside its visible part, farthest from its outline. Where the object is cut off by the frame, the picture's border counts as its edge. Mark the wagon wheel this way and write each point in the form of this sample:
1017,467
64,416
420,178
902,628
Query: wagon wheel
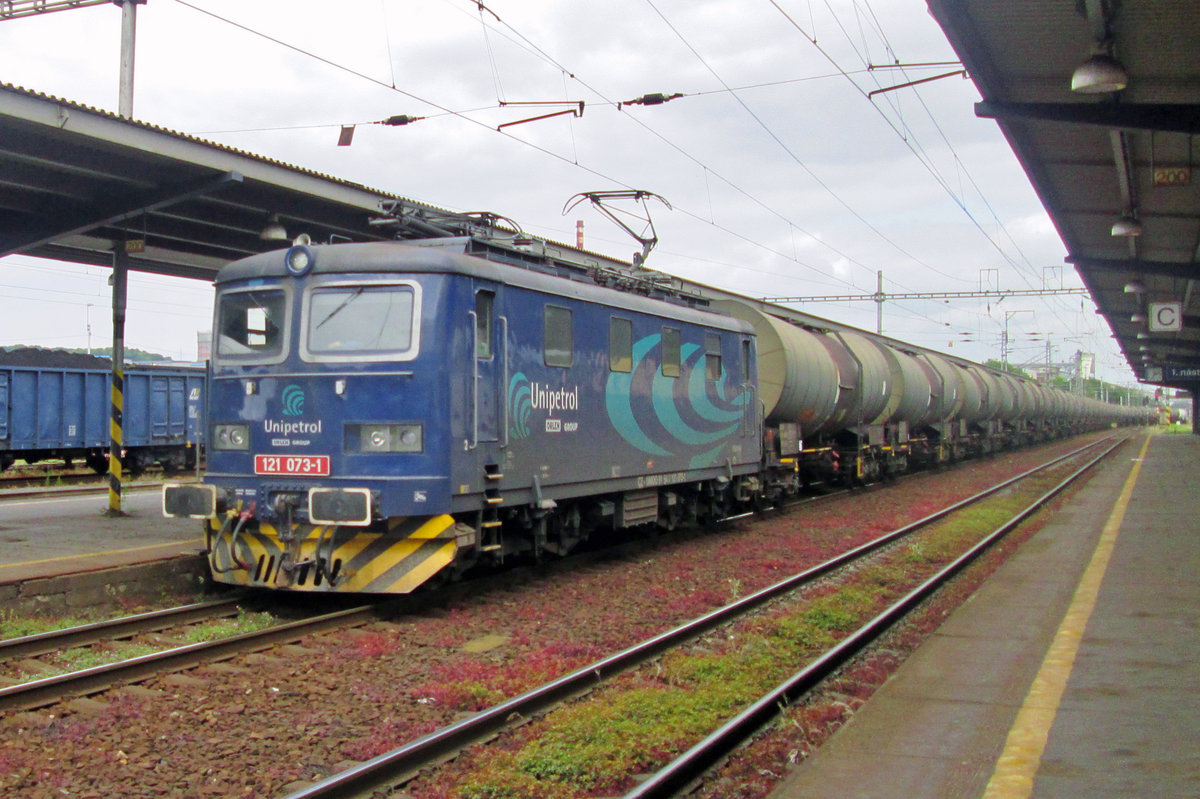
97,462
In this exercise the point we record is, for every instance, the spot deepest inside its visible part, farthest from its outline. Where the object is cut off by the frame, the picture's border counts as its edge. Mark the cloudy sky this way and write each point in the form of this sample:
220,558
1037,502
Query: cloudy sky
784,177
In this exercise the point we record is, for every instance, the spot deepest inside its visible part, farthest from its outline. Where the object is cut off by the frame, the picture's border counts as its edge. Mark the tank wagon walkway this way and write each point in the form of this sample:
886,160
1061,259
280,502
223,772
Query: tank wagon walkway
1072,673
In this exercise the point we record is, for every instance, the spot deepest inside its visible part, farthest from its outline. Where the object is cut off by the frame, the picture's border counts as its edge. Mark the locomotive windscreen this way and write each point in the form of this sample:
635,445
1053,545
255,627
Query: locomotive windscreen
359,319
251,323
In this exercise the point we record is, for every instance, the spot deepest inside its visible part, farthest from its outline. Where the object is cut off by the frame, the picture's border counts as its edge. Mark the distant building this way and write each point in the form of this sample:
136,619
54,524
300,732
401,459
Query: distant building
1085,364
1044,373
203,345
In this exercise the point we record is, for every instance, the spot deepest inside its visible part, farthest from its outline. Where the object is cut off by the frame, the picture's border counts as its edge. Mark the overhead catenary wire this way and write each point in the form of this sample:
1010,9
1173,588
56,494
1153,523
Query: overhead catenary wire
909,141
791,153
539,148
709,171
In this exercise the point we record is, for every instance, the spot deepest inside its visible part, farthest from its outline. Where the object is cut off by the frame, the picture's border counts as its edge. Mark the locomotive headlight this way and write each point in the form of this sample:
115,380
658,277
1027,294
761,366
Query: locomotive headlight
231,436
384,438
298,260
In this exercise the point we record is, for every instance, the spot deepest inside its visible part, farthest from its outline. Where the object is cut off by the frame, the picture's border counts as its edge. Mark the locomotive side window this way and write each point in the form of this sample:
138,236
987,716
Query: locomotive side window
620,345
483,324
712,356
251,323
350,320
745,360
670,352
560,338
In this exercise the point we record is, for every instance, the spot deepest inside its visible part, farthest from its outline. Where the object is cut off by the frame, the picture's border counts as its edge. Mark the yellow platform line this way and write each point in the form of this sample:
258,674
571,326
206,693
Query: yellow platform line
146,548
1022,756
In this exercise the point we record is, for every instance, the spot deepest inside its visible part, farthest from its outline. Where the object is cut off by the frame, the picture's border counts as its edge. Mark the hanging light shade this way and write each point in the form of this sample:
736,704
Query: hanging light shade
1138,318
274,231
1127,226
1099,74
1135,287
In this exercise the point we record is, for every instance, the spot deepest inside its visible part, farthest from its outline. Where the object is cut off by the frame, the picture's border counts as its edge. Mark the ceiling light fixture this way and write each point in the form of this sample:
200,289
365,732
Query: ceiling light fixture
1127,225
1099,74
1138,318
1135,287
274,231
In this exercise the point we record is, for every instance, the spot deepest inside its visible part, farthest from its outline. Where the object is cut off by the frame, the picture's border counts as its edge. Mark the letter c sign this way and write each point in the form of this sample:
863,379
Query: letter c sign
1164,317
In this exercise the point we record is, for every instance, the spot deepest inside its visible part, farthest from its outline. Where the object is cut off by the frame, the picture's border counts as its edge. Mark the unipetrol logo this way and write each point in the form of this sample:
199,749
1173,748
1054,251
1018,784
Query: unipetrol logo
293,400
525,397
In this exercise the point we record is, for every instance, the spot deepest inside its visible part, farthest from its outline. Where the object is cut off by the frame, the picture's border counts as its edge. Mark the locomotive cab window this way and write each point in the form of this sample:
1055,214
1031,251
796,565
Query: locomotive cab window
746,351
361,322
620,345
251,324
483,324
712,356
560,338
670,352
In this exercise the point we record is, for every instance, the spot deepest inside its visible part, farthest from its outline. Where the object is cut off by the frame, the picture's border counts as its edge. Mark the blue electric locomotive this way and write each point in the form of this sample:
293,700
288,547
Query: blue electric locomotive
381,413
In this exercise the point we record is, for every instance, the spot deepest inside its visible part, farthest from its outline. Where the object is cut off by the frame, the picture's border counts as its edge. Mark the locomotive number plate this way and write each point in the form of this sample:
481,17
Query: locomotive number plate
315,465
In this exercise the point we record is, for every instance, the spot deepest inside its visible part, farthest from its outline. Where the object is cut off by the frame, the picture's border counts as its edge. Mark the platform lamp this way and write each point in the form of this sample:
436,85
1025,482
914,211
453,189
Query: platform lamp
1101,73
1127,225
274,231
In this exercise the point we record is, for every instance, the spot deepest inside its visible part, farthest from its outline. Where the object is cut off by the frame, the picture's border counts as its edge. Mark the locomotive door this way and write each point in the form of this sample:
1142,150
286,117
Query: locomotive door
488,364
3,406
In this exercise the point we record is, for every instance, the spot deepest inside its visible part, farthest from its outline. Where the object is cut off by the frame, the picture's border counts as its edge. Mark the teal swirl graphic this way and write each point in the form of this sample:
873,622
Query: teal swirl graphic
677,415
618,399
520,406
293,400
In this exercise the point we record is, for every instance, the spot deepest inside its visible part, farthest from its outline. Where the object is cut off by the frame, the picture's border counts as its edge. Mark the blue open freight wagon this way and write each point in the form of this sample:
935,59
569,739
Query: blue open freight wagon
57,405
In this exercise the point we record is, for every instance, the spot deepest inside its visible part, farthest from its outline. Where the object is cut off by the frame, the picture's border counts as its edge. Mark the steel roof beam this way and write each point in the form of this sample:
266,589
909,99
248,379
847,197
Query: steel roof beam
1165,268
1164,117
113,212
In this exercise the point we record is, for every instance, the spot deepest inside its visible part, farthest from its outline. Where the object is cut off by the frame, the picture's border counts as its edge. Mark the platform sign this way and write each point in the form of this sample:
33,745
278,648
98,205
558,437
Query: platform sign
1164,317
1172,176
1172,373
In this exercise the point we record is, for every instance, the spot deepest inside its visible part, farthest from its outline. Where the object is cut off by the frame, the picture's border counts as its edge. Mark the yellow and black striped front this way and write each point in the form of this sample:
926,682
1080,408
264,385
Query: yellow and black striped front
332,558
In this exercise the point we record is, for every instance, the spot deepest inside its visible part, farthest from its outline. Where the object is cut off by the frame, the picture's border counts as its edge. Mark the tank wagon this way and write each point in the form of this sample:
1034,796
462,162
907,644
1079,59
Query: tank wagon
57,405
850,407
384,413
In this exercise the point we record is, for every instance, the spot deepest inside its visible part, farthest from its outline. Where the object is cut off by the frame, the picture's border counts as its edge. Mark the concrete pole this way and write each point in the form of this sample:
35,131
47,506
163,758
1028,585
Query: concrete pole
128,30
879,298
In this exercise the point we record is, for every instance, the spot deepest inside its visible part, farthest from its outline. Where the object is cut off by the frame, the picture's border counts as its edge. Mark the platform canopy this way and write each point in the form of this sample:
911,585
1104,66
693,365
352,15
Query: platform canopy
76,182
1100,100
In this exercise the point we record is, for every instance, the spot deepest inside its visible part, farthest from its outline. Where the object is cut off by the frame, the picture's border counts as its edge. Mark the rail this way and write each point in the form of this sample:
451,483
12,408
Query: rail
395,766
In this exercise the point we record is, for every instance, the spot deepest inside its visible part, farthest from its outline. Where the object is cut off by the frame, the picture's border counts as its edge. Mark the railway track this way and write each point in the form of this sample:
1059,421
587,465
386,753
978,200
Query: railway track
46,691
402,764
116,629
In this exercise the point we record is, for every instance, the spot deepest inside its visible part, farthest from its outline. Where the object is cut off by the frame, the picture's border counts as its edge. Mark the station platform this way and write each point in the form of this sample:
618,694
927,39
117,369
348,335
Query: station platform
1073,672
62,553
